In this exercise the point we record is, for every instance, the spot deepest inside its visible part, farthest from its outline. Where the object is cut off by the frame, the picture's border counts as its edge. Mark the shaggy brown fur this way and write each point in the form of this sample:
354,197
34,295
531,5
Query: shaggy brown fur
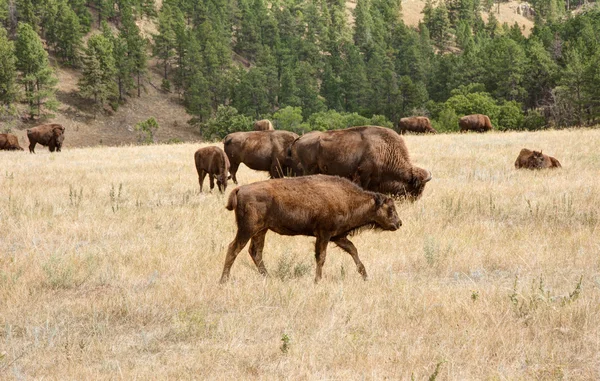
326,207
212,161
51,135
263,125
376,158
535,160
259,150
475,122
9,142
417,124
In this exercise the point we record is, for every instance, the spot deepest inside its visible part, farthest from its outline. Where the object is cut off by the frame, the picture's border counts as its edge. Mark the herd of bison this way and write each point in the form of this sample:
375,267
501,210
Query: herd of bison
338,183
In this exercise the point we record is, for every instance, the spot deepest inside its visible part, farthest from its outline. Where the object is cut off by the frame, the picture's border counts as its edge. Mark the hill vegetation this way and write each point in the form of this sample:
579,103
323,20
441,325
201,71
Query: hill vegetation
305,64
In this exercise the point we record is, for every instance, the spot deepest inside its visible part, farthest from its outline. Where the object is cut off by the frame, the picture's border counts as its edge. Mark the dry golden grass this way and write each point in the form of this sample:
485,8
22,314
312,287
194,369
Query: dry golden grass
110,261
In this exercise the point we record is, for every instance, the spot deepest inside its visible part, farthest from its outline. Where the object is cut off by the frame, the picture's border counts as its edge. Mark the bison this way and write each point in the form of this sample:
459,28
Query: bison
9,142
329,208
263,125
374,157
418,124
212,161
475,122
259,150
51,135
535,160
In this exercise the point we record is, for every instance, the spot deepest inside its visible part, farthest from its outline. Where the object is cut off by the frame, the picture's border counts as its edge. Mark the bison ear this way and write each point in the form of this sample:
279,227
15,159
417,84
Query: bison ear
379,200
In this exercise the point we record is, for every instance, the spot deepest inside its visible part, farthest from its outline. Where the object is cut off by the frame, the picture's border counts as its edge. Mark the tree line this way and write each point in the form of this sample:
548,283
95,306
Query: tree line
305,62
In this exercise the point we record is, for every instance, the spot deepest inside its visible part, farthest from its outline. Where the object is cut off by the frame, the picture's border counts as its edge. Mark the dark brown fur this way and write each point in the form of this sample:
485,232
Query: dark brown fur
326,207
376,158
9,142
475,122
535,160
417,124
212,161
259,150
51,135
263,125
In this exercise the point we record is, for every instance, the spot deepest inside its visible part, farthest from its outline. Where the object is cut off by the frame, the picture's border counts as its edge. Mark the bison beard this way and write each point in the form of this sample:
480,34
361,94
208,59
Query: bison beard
335,209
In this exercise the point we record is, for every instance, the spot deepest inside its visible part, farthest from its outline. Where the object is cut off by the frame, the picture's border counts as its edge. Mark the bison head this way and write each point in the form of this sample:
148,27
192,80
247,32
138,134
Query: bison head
386,216
410,187
536,160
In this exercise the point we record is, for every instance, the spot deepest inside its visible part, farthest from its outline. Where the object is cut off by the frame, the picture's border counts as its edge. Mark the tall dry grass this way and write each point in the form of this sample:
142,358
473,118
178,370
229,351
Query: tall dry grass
110,260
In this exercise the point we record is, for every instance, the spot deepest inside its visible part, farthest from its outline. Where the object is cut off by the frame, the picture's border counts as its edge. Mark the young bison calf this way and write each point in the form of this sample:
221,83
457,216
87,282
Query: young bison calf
535,160
212,161
326,207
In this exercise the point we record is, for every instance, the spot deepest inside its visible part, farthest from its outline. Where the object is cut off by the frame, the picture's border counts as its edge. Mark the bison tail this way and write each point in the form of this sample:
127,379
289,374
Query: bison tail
232,201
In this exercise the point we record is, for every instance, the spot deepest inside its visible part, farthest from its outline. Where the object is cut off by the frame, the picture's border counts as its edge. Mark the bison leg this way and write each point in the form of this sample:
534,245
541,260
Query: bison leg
233,170
201,177
345,244
320,254
256,249
238,243
32,147
211,178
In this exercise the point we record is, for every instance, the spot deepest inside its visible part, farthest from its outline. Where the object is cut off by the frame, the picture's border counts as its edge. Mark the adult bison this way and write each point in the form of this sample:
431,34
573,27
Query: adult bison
259,150
263,125
51,135
475,122
374,157
9,142
326,207
212,161
535,160
417,124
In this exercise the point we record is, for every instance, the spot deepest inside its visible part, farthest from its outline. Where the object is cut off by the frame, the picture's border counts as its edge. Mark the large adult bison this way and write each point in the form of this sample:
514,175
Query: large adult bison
475,122
374,157
263,125
213,162
259,150
9,142
535,160
51,135
326,207
417,124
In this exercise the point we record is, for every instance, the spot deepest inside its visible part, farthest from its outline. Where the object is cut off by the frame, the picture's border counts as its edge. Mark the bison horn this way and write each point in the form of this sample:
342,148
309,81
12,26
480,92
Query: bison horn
428,177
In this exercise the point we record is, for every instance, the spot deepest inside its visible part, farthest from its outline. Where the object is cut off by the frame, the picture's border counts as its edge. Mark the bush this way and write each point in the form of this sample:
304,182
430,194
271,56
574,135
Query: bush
510,116
289,119
226,120
146,130
534,121
446,122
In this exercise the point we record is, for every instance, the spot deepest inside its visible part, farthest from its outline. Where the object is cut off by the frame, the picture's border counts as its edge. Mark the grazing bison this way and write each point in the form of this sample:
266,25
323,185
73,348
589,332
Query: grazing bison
535,160
51,135
326,207
263,125
259,150
9,142
376,158
475,122
418,124
212,161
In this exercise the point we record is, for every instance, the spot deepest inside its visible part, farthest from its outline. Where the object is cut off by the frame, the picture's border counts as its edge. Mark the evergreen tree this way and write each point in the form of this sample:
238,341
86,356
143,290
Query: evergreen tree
67,34
37,77
363,24
439,27
8,72
136,47
99,70
165,40
574,81
505,67
541,74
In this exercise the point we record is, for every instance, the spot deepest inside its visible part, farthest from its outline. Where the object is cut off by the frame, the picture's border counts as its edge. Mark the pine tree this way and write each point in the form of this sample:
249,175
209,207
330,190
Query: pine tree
165,40
98,71
68,34
8,73
136,47
363,25
440,27
37,76
541,74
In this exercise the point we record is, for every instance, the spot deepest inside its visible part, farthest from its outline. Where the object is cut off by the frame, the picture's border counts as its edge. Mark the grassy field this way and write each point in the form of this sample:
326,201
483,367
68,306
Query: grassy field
110,261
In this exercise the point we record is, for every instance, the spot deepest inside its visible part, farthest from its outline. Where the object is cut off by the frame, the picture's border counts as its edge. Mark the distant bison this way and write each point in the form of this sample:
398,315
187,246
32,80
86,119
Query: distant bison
475,122
263,125
418,124
259,150
51,135
374,157
9,142
212,161
535,160
326,207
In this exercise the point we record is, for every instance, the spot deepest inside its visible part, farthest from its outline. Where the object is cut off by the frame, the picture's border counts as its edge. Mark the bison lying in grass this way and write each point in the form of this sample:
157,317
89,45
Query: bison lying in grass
9,142
535,160
326,207
213,162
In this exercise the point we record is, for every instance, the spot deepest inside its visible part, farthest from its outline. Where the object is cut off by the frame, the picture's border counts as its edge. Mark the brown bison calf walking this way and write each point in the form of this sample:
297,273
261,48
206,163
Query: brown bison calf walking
51,135
326,207
9,142
263,125
535,160
475,122
212,161
418,124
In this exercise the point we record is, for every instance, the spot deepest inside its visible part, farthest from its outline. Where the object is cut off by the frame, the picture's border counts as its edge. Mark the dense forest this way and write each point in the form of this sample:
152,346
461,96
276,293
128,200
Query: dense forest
306,64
